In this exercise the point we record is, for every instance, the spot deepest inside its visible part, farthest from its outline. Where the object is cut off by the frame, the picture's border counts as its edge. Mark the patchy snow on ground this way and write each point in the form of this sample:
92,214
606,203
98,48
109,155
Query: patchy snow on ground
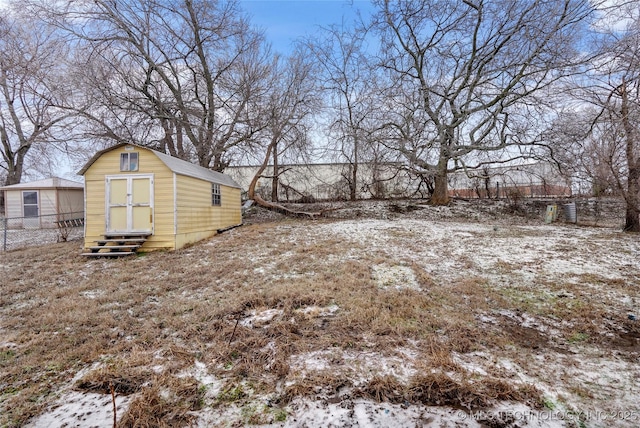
260,318
92,294
82,410
582,385
366,414
362,413
395,277
318,312
360,366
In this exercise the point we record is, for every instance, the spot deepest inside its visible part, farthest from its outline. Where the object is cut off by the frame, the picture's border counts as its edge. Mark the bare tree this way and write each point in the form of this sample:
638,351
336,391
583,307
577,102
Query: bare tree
32,89
588,152
617,96
348,81
629,97
597,142
465,75
174,74
286,110
290,104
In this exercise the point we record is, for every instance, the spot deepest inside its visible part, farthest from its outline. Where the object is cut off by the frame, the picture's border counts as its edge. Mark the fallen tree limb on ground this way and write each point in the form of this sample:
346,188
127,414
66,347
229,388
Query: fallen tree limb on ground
271,205
286,211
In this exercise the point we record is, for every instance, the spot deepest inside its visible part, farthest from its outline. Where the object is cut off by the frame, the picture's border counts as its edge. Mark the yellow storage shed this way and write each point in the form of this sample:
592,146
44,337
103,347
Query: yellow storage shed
135,196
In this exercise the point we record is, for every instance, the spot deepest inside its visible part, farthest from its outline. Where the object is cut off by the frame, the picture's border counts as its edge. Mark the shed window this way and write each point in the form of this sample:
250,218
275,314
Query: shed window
30,204
216,199
129,161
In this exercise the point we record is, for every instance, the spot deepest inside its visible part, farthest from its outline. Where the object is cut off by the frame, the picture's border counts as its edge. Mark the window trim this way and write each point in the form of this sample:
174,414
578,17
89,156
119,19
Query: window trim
37,204
216,195
125,161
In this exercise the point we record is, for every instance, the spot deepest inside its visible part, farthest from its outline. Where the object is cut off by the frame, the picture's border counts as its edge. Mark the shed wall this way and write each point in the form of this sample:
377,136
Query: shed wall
13,203
196,217
95,190
47,203
71,201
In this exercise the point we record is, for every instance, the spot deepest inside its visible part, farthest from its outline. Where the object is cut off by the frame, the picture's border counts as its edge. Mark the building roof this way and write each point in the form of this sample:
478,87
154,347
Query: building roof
47,183
176,165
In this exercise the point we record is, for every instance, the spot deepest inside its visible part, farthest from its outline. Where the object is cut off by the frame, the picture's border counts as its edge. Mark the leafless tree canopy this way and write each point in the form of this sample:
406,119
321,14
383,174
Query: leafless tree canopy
466,73
602,140
285,116
33,88
176,75
351,84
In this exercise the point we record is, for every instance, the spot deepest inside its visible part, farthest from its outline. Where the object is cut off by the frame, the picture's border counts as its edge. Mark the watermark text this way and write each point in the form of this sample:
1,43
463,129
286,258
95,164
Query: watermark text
550,415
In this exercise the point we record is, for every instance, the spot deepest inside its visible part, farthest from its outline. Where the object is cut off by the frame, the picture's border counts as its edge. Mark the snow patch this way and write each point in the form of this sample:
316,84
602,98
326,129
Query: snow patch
10,345
368,414
211,383
318,312
92,294
528,321
260,318
398,277
360,366
80,410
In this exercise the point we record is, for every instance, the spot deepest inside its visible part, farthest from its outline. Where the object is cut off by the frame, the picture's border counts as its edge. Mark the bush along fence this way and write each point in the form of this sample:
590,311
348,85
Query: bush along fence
20,232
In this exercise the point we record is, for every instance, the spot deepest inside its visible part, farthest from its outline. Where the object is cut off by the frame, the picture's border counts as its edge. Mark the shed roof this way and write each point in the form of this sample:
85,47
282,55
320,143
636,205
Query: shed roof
176,165
47,183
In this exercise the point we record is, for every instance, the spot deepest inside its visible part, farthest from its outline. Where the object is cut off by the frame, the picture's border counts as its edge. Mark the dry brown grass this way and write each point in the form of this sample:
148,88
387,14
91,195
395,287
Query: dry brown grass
383,388
60,313
439,389
134,315
324,382
166,402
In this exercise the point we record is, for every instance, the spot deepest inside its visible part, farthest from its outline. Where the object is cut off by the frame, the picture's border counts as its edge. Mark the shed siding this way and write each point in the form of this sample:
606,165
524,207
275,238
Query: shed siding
71,202
231,209
197,218
13,203
109,164
47,204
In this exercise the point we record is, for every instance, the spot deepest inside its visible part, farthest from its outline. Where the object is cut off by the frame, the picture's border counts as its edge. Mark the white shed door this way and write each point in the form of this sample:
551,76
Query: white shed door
129,204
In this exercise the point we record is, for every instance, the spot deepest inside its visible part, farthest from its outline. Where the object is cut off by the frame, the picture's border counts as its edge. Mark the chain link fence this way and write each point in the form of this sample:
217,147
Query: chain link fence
21,232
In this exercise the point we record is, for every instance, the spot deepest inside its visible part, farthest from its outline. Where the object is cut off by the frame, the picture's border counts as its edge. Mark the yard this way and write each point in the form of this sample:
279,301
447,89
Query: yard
395,315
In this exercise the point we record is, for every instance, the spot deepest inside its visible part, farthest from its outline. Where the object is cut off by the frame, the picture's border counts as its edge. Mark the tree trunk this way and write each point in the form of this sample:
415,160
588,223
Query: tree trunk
440,190
440,194
274,178
353,185
14,176
353,188
632,222
487,182
251,192
15,165
218,164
